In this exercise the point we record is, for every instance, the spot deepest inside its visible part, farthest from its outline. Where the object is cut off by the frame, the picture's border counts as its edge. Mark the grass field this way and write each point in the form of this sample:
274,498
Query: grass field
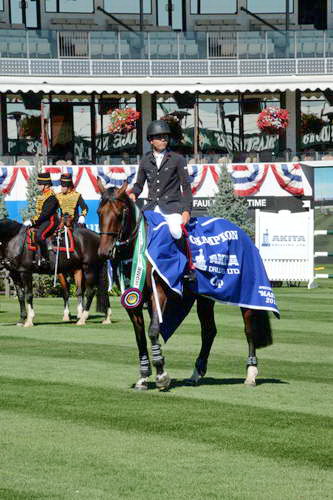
71,426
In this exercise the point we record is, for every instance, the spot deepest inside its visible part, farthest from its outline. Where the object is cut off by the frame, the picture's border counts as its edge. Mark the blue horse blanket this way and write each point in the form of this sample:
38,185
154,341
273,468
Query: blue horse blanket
228,266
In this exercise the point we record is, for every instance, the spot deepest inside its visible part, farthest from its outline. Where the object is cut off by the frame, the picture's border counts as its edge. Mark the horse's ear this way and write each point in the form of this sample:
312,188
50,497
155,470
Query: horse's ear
122,189
100,185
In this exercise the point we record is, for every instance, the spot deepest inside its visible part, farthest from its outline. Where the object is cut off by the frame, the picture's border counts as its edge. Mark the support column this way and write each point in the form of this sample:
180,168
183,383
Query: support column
291,142
1,142
146,117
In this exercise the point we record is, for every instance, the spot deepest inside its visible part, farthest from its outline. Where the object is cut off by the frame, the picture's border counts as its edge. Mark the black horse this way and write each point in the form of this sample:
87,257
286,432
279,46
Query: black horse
88,269
118,229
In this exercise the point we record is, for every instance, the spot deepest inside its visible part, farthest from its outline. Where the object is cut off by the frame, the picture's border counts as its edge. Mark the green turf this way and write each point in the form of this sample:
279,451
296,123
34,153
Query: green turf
71,426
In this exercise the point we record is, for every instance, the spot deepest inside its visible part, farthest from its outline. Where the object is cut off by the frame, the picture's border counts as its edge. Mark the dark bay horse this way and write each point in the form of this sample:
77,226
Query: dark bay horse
118,228
88,269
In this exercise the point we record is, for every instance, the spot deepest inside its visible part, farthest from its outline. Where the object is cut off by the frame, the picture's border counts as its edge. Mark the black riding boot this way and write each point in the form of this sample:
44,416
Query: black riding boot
183,246
43,256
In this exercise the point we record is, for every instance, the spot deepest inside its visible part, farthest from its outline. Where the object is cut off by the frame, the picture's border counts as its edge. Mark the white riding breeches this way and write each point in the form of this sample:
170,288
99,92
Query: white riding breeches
174,222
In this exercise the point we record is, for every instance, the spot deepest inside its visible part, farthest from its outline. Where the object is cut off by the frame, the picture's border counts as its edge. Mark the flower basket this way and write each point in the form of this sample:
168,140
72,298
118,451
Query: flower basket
30,126
123,121
176,130
272,120
311,123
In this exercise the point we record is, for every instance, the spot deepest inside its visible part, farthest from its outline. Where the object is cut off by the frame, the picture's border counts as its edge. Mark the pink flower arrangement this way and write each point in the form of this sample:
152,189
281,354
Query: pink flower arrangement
122,120
272,120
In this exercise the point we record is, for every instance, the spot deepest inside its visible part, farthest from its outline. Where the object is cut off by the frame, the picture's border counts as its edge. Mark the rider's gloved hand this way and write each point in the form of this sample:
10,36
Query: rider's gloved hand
27,223
81,219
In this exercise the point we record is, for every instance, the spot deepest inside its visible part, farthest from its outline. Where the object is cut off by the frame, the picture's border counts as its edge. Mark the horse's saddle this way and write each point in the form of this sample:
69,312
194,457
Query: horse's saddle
61,240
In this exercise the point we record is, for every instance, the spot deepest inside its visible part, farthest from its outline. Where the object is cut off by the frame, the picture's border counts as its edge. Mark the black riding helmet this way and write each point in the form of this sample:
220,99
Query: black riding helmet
158,127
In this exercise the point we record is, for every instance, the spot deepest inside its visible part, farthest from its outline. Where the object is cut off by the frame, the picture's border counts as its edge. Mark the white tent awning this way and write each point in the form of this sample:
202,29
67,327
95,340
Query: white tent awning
148,84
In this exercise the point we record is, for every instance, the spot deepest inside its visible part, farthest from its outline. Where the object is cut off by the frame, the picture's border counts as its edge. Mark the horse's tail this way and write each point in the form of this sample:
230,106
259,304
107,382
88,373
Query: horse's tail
261,328
102,296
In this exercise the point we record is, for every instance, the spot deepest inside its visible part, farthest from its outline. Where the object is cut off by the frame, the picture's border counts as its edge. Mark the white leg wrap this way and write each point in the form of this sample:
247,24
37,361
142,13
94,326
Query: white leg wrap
31,315
163,381
142,384
79,310
66,314
195,376
252,372
84,317
107,320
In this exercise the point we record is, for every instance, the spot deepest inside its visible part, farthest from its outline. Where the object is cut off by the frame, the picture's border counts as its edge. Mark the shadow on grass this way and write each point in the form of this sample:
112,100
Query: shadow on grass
224,381
211,381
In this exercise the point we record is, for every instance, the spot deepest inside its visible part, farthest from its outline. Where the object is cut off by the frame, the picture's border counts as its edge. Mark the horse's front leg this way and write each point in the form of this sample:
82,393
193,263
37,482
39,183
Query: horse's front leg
65,293
137,320
163,379
20,291
205,311
249,316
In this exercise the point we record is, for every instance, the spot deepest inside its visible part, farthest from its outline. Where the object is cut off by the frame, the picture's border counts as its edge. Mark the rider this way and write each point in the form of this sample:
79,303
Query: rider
70,201
45,218
168,185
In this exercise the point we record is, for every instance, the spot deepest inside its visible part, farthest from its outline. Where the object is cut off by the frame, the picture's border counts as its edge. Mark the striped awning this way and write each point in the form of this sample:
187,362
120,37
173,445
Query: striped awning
60,84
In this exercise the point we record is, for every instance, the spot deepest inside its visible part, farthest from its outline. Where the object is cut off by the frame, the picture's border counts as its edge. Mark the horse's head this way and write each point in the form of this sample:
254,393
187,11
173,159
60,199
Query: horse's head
112,212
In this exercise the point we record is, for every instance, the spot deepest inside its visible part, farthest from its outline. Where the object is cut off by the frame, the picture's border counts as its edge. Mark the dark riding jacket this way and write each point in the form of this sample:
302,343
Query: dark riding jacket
46,219
168,187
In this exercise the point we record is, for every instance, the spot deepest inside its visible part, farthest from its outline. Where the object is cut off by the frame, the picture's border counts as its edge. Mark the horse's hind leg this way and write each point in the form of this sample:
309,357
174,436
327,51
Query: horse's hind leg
79,283
252,362
20,291
29,299
137,320
90,288
205,311
65,291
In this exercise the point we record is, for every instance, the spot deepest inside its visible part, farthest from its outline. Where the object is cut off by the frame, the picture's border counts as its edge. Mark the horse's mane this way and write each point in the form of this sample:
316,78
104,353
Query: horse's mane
8,229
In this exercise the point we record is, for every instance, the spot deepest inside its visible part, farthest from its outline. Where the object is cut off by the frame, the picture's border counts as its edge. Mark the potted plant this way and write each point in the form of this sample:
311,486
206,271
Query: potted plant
30,126
122,121
311,123
272,120
173,120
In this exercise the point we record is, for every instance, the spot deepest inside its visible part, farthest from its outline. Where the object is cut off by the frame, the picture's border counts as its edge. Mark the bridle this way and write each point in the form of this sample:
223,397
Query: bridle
125,219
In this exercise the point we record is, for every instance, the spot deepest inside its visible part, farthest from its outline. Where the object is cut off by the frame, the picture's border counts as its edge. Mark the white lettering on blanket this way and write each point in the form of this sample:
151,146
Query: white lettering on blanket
214,240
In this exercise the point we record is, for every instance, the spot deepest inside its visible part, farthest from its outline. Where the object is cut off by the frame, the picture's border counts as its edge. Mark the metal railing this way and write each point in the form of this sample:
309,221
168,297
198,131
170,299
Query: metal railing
106,45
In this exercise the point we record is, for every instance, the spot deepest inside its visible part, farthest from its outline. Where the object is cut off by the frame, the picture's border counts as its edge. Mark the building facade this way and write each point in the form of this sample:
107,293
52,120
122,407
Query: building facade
208,66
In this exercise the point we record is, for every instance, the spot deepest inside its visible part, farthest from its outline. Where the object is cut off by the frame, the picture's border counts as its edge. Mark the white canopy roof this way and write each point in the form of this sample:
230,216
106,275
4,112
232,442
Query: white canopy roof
148,84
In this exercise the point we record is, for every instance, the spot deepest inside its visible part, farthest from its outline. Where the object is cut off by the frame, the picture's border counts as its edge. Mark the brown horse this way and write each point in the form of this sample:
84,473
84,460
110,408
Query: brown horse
118,228
89,269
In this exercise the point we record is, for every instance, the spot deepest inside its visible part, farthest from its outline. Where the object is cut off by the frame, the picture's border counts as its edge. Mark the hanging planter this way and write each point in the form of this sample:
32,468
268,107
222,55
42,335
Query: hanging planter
175,127
30,127
123,121
272,120
311,123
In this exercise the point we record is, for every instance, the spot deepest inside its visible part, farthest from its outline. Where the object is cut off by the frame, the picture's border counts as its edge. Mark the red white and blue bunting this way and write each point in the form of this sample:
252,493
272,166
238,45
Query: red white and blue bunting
248,178
289,176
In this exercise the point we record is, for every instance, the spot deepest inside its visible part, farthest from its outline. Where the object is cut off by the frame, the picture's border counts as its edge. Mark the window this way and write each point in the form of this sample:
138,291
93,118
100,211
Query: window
269,6
227,125
23,116
1,5
316,122
127,6
117,148
70,6
213,6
